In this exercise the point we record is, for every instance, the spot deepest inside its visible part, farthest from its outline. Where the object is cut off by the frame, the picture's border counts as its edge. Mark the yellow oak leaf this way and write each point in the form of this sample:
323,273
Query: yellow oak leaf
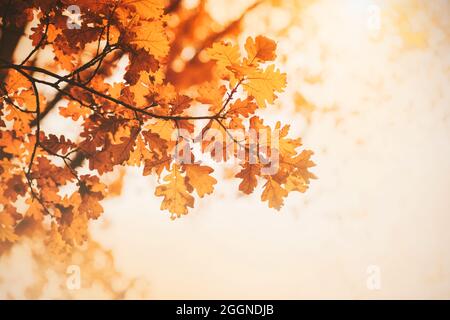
151,36
226,55
198,177
287,146
164,128
140,152
146,9
262,85
176,196
302,163
240,71
295,183
274,194
212,94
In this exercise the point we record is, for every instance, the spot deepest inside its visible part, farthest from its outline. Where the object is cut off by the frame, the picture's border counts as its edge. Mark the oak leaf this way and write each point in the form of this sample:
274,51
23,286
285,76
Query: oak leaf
199,178
226,56
151,36
249,174
260,49
242,107
7,228
74,110
264,84
176,196
212,94
274,193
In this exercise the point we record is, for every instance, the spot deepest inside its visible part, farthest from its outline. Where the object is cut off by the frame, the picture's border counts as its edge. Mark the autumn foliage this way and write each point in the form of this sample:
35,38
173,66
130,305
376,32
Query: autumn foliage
114,79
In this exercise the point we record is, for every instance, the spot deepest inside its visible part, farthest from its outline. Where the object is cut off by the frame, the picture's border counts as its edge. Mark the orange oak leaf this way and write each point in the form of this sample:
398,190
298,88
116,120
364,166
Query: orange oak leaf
75,111
260,49
151,36
249,175
242,107
212,94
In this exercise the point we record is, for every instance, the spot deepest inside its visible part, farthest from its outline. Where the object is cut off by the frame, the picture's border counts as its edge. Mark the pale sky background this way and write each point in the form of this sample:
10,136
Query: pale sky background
380,130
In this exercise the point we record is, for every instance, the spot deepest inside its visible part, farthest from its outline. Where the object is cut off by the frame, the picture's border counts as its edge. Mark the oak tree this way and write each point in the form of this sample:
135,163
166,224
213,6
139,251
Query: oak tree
144,86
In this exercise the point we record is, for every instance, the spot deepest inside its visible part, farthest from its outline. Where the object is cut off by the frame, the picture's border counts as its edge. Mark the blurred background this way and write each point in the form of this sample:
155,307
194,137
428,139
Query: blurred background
368,92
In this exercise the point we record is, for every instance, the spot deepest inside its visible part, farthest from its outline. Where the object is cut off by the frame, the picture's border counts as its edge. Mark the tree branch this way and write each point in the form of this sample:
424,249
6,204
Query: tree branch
41,42
99,94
